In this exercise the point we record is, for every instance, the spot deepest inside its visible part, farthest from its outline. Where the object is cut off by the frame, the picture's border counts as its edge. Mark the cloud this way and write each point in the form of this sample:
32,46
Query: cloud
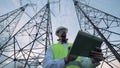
16,2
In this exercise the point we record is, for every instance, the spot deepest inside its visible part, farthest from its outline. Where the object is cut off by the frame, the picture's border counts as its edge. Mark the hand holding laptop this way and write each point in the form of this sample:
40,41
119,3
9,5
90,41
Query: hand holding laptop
84,43
87,45
96,55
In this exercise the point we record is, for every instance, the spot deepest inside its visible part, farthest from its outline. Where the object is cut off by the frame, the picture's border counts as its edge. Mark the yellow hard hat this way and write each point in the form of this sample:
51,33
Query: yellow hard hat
61,28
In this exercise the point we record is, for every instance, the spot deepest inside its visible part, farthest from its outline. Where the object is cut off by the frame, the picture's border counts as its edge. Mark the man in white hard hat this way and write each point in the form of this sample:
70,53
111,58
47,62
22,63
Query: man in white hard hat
61,33
56,55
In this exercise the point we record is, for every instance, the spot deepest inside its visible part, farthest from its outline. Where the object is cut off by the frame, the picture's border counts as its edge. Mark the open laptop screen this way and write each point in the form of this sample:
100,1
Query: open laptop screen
84,43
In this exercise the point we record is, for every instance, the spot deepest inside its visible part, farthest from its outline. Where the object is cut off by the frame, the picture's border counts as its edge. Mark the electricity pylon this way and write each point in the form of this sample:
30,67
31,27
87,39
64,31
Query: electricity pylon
26,47
8,23
104,25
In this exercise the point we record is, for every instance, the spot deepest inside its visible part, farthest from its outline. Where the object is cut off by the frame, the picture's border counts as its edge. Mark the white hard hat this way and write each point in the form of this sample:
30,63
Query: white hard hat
61,28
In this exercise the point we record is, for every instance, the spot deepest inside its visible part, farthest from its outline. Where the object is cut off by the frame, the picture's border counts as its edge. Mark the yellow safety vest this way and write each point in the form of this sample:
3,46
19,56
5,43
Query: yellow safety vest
60,52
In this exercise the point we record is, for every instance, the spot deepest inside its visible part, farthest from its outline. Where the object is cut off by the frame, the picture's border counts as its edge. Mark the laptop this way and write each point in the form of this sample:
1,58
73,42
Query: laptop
84,43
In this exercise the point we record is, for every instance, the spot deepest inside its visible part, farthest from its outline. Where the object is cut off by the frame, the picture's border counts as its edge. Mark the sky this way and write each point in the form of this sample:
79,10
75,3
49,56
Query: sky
66,16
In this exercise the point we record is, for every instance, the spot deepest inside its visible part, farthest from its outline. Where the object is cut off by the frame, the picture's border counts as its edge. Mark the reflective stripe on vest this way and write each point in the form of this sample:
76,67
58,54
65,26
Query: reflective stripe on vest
60,52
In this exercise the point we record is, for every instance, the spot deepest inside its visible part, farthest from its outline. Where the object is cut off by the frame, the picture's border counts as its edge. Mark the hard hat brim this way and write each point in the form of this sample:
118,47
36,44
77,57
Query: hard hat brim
61,28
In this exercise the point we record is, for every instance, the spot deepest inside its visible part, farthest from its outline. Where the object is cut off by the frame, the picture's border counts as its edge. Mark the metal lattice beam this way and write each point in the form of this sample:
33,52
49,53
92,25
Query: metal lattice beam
8,23
27,46
103,25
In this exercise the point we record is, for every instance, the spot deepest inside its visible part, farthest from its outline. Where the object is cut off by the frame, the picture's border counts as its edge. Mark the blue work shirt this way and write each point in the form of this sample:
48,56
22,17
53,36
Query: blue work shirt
49,62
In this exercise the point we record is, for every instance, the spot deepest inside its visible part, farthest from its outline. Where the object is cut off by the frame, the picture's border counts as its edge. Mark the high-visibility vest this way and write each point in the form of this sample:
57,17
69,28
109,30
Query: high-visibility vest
60,52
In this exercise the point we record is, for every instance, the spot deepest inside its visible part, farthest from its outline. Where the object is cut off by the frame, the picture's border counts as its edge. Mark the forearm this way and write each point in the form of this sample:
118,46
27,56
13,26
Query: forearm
87,63
48,63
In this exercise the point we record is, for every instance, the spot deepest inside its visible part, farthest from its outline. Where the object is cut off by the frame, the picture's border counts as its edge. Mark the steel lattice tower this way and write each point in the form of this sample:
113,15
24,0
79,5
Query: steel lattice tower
8,24
26,47
104,25
9,21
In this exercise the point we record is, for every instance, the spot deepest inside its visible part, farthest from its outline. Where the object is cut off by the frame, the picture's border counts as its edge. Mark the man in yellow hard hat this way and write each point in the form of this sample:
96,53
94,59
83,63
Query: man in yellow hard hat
57,54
